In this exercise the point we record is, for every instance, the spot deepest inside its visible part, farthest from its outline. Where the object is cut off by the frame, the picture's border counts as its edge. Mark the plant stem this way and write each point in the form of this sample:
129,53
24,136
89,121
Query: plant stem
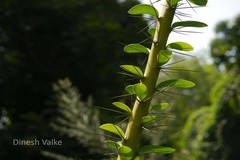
140,109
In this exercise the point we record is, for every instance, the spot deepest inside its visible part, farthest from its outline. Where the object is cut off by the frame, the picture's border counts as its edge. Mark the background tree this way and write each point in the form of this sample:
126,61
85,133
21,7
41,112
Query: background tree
42,41
212,131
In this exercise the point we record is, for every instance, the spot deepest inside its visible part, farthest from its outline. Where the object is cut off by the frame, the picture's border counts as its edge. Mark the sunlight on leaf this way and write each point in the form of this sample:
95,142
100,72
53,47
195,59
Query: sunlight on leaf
164,56
136,48
125,153
189,24
139,89
156,149
178,83
144,9
182,46
133,70
113,129
122,106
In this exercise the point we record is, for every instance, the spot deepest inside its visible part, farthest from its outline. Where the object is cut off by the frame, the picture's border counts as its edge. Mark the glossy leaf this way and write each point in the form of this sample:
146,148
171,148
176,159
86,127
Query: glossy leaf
125,153
156,149
189,24
113,129
122,106
112,144
178,83
199,2
149,119
164,56
152,31
139,89
159,107
144,9
133,70
136,48
182,46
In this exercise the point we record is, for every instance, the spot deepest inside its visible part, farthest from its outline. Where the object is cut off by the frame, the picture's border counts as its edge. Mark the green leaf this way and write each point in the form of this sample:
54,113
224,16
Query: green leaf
152,31
156,149
139,158
199,2
133,70
149,119
122,106
144,9
159,107
189,24
182,46
113,129
125,153
164,56
139,89
136,48
174,2
112,144
178,83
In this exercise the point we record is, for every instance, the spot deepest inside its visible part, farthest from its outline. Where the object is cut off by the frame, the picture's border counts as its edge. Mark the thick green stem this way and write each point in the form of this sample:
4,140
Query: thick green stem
140,109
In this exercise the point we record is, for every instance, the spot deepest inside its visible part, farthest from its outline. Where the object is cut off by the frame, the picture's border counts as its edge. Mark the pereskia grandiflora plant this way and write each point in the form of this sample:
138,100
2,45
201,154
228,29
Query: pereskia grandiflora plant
160,53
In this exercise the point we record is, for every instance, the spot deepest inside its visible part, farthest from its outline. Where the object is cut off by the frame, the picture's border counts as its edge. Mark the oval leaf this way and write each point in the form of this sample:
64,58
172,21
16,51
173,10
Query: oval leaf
159,107
178,83
164,56
136,48
189,24
144,9
125,153
199,2
182,46
133,70
139,89
152,31
113,129
112,144
122,106
156,149
149,119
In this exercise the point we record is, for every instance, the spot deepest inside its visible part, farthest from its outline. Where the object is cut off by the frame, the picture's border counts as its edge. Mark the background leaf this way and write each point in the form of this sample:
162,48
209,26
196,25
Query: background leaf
144,9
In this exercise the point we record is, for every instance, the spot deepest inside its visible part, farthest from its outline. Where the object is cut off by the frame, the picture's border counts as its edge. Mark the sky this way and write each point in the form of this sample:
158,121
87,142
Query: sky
214,12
